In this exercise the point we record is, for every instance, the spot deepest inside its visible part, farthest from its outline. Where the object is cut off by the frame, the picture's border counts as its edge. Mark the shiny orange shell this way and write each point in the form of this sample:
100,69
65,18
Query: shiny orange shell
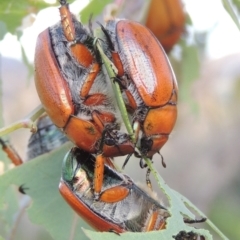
166,19
146,63
84,212
51,87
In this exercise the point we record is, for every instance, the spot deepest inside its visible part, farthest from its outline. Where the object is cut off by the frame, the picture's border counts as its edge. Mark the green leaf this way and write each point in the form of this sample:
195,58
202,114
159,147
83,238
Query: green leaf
94,8
127,236
7,215
188,72
236,3
3,30
162,234
41,176
229,8
12,12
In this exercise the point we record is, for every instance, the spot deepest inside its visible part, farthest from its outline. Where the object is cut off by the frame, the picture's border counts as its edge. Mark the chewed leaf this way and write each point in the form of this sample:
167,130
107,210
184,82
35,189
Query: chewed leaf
40,177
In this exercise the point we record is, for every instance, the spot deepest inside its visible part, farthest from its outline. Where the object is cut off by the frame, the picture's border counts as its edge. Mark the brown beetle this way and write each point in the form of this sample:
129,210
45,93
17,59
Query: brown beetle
147,80
11,152
47,138
75,92
166,19
135,211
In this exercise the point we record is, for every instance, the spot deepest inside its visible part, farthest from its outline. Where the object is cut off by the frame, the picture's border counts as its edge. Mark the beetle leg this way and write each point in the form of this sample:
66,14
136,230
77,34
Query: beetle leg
67,22
95,99
11,153
110,163
156,220
121,83
111,195
148,181
118,63
131,101
162,225
99,119
94,70
98,175
115,56
79,50
105,130
126,160
152,221
114,194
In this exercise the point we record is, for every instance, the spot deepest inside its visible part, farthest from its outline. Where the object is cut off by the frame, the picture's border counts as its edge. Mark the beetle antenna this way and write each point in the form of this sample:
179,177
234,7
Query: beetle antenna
163,163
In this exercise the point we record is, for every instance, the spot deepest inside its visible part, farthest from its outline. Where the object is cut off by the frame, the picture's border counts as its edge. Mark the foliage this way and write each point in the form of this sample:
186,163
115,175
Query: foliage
41,175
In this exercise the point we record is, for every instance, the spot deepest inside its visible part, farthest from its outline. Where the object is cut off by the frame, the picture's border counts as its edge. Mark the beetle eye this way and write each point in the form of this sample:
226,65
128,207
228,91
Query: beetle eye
109,142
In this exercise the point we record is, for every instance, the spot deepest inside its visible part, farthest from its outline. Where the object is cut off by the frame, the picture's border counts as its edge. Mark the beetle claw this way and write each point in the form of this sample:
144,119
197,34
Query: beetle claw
142,164
126,160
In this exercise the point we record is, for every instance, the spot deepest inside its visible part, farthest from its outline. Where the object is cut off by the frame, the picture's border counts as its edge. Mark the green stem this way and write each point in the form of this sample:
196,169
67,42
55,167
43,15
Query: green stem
228,6
112,72
27,122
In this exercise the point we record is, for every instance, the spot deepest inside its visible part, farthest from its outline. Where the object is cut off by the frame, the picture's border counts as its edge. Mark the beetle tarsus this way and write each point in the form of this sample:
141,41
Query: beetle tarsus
126,160
120,82
148,181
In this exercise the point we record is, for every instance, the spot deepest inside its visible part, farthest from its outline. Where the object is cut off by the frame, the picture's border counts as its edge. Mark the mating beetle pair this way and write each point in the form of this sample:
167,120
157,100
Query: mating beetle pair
137,211
75,92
